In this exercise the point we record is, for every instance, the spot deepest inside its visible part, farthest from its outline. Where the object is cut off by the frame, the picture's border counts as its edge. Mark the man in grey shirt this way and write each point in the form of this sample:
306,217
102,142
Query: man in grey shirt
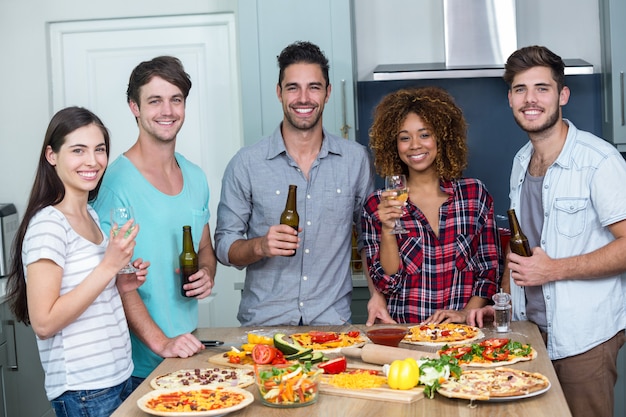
334,176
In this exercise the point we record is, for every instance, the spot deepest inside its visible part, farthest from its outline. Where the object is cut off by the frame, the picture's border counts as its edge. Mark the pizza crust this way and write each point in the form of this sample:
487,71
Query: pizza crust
501,382
206,377
462,334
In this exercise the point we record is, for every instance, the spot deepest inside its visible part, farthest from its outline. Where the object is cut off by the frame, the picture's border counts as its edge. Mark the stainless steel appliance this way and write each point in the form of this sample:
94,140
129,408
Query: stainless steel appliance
8,228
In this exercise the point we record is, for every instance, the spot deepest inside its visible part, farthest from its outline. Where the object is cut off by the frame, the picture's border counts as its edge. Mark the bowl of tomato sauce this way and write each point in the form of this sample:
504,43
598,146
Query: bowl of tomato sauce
387,335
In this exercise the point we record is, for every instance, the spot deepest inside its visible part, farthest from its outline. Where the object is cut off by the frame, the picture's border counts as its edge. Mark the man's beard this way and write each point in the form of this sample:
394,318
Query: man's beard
549,124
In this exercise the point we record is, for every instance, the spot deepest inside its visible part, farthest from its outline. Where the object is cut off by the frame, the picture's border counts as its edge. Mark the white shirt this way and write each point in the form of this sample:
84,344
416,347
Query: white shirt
94,351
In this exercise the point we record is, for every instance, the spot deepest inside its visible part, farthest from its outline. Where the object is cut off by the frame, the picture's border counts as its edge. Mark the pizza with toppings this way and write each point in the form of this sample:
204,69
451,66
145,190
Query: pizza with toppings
442,334
328,341
490,352
214,377
195,401
491,384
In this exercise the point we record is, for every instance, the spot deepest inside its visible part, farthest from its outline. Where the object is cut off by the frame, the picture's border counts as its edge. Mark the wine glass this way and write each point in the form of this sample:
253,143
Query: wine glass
397,183
119,217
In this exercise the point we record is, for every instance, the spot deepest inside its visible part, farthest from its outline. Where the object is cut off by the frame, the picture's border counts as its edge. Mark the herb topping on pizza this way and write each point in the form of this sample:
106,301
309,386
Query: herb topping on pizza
490,352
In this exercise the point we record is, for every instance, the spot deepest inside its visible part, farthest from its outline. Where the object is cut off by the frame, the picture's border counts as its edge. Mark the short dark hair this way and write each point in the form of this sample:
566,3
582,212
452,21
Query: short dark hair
167,67
534,56
302,52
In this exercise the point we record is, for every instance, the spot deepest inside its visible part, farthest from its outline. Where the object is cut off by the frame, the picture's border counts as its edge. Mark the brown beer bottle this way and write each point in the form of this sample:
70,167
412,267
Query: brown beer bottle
518,242
290,215
188,259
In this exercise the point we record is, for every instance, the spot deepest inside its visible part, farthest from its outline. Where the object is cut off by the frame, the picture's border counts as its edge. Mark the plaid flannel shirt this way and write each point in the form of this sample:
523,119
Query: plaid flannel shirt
438,272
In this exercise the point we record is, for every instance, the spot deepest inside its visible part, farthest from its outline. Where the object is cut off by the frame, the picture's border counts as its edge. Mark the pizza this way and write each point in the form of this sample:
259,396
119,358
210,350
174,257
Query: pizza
442,334
490,352
213,377
203,401
328,341
489,384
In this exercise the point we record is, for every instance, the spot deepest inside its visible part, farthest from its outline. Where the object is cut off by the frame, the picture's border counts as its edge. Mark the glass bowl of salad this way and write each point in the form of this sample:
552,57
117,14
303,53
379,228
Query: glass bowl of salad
288,385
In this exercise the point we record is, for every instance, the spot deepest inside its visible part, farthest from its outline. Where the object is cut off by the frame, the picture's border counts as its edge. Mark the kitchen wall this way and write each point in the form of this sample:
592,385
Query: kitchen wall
410,31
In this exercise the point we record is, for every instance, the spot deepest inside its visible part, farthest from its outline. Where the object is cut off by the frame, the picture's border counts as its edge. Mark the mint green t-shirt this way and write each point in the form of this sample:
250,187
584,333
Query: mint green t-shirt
161,218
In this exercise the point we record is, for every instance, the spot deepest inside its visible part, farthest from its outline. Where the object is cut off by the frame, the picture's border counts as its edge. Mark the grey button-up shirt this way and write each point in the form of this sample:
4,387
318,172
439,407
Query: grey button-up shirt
315,285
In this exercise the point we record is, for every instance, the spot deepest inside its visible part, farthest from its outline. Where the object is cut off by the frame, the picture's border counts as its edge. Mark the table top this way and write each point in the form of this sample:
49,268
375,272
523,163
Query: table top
552,403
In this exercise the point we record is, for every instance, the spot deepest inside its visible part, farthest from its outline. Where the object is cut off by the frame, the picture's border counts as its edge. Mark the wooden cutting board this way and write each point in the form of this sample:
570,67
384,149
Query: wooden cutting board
383,393
221,360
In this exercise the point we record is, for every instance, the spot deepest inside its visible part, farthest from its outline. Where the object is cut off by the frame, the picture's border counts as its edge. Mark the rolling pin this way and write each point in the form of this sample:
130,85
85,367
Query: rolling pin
380,355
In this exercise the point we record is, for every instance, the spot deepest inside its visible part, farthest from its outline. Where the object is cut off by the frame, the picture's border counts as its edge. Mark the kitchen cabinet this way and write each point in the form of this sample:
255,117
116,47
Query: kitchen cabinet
613,33
265,28
22,374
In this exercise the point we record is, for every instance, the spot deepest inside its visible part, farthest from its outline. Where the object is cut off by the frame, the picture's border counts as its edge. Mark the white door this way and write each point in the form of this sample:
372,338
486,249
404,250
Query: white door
90,65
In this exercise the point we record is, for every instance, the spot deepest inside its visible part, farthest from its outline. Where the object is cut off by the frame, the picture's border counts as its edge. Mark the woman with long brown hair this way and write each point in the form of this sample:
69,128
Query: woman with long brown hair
64,280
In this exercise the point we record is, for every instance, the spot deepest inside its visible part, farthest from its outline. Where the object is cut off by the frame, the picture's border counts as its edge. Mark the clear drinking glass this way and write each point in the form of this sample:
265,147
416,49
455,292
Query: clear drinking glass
119,217
398,184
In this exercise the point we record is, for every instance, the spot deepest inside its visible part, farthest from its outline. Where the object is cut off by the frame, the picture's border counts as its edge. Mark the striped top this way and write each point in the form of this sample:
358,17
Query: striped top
94,351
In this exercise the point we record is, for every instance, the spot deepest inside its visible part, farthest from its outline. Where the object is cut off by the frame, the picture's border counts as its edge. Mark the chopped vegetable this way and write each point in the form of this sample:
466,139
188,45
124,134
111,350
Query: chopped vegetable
334,366
435,371
295,384
403,374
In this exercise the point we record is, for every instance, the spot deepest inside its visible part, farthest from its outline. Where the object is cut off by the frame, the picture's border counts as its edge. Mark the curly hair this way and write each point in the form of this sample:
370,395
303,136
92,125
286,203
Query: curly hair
438,111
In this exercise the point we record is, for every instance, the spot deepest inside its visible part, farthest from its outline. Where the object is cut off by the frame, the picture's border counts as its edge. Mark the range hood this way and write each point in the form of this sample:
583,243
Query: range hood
479,35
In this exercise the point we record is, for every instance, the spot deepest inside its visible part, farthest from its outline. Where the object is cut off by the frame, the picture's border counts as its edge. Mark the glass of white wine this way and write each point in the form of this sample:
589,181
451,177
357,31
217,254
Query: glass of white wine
398,184
119,217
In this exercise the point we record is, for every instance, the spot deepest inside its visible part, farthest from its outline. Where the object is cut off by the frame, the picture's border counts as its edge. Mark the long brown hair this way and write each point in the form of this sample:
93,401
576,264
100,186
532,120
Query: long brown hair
48,190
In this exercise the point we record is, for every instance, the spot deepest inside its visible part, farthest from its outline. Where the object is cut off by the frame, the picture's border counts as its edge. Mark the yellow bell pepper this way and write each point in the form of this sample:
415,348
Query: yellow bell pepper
403,374
256,339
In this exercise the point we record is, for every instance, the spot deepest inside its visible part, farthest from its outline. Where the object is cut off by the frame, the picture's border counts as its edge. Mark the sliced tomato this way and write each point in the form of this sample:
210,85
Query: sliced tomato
494,343
263,354
334,366
322,337
446,332
492,354
279,359
354,334
456,352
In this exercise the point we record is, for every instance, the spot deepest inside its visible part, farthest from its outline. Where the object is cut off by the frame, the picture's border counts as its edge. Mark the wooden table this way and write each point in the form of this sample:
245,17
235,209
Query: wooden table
552,403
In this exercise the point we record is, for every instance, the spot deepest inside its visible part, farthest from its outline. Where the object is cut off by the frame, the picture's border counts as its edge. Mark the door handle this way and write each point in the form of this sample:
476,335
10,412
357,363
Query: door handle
11,346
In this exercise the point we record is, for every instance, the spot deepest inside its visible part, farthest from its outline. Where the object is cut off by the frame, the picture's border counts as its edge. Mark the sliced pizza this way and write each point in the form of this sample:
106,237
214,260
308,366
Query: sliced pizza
442,334
213,377
497,383
328,341
194,401
490,352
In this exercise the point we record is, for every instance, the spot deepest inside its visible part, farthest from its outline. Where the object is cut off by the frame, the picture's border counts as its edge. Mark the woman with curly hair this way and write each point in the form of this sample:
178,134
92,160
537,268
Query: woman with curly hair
449,261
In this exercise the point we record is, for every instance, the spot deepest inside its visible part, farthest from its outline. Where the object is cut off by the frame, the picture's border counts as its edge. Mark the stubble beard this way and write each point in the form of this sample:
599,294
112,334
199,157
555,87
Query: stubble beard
553,119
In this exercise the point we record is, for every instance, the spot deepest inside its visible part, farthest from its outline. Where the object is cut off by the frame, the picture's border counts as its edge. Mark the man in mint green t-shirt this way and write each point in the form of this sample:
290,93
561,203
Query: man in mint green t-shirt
166,192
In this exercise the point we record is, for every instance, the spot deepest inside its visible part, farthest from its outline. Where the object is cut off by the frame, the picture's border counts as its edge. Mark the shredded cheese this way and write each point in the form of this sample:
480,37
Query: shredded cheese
360,380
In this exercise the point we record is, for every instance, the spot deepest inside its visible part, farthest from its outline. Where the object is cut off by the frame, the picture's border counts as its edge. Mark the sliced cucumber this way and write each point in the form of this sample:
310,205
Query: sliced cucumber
299,355
318,357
